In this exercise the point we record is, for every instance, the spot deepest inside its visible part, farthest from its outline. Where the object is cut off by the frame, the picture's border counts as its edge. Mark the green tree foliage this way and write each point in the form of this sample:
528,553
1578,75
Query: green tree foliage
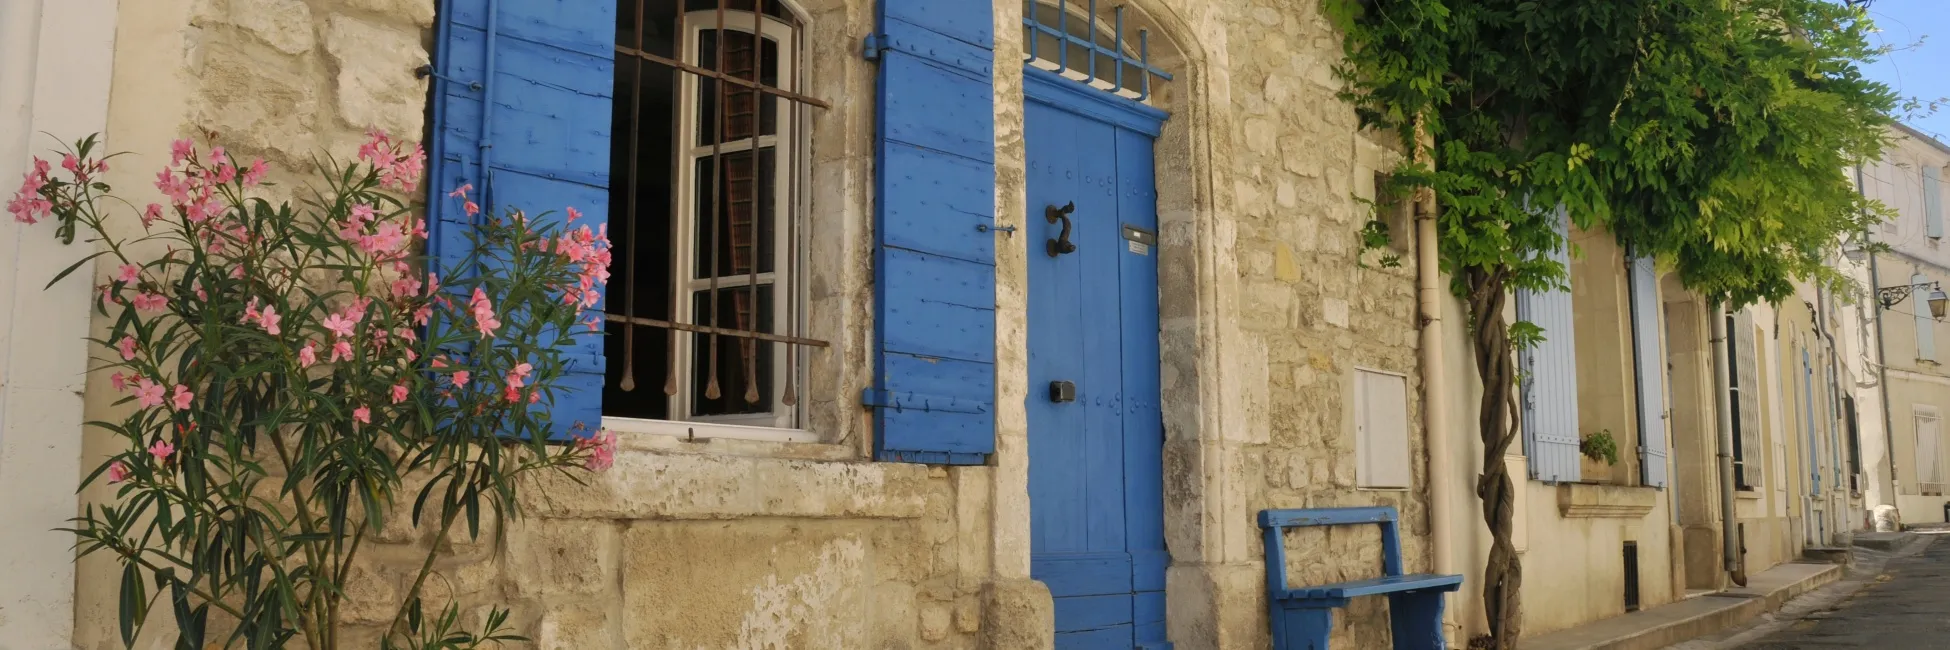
1711,134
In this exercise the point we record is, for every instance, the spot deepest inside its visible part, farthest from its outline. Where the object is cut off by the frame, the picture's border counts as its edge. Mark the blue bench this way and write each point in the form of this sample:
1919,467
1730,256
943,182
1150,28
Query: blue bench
1303,617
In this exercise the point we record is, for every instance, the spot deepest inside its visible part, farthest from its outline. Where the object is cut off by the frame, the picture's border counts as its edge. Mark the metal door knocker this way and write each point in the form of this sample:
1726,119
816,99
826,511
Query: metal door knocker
1062,243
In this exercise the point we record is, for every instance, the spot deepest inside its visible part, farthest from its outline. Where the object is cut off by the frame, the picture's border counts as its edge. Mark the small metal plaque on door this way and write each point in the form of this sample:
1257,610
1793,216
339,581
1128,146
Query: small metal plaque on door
1139,240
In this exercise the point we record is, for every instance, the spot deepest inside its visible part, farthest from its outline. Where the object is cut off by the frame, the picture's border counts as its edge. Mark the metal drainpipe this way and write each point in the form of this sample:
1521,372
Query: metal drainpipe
1722,372
1882,360
1435,392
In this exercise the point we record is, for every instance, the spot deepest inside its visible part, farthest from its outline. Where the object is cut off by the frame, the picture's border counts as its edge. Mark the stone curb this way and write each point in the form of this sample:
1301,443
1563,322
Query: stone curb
1672,623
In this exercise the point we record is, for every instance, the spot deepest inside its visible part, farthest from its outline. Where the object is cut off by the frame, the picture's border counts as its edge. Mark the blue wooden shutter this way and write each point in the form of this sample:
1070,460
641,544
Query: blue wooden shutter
1933,200
1650,363
1925,326
521,111
1550,389
933,390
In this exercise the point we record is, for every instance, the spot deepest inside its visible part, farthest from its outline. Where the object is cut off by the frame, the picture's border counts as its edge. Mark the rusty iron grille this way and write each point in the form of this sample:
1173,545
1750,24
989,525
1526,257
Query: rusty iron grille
708,174
1073,46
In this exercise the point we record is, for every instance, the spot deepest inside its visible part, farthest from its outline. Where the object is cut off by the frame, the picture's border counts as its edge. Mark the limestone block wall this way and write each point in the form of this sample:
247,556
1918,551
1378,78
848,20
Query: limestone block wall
734,544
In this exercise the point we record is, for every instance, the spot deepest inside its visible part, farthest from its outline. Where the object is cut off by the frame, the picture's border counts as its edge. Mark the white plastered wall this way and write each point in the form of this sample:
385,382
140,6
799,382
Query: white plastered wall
55,58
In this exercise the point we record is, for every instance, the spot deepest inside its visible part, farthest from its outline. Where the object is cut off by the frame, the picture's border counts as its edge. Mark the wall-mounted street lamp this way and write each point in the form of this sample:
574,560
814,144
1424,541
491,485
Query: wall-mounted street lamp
1890,296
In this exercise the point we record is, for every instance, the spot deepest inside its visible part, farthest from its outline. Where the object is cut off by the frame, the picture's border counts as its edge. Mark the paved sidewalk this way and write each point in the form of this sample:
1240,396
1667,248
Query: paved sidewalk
1670,623
1906,606
1805,622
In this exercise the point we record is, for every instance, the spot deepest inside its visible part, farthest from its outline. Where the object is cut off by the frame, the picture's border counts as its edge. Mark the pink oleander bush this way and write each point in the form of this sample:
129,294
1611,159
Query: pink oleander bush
286,368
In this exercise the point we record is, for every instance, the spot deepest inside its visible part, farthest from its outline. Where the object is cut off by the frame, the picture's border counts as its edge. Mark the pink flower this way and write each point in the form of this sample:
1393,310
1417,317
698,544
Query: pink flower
513,394
161,450
601,448
486,324
269,320
362,414
399,393
460,379
361,213
462,190
146,301
127,347
518,377
119,381
307,355
128,273
118,472
341,351
406,287
422,315
574,214
181,400
471,208
148,393
256,173
339,324
180,151
153,213
108,295
595,323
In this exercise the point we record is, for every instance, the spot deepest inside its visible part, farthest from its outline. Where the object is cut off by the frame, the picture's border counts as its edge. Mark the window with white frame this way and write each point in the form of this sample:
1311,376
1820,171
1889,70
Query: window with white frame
707,179
1929,454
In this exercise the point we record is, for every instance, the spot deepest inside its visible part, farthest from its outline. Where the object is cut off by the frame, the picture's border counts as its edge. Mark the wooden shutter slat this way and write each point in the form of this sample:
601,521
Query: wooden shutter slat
547,71
1551,393
1649,356
933,392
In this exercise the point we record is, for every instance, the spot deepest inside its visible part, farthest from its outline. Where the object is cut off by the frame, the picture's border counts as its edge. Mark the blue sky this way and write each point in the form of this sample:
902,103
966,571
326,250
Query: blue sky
1919,71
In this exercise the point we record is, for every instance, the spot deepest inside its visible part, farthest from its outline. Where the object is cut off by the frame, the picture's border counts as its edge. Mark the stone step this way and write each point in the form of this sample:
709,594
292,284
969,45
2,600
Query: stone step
1826,554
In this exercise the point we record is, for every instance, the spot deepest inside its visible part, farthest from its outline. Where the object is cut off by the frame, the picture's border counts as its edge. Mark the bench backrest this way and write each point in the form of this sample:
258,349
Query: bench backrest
1274,521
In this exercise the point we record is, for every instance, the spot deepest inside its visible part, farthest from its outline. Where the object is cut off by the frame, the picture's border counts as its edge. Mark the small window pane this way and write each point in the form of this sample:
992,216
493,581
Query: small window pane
742,206
743,104
744,364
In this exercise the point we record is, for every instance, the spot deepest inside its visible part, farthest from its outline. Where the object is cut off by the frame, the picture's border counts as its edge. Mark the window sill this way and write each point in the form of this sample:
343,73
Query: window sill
706,431
1747,494
1589,500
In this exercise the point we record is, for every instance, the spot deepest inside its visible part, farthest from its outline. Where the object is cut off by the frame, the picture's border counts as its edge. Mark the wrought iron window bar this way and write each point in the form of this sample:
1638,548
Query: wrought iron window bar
740,92
1092,48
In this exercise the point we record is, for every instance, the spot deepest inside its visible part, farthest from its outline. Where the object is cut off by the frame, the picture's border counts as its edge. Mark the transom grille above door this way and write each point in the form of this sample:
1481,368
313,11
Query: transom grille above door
1060,40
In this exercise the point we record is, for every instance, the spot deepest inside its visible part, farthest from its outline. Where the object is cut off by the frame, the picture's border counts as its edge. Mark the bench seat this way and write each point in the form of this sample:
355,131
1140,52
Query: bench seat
1303,618
1375,587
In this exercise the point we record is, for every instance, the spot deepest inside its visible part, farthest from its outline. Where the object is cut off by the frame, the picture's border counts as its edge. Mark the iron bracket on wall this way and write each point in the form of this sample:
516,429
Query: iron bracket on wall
927,45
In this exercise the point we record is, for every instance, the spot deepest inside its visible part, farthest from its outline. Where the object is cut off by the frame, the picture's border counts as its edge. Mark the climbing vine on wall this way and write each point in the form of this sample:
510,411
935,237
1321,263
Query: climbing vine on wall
1712,134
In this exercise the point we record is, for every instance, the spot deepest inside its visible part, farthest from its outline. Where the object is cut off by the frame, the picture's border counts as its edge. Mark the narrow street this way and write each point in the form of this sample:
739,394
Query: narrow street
1906,606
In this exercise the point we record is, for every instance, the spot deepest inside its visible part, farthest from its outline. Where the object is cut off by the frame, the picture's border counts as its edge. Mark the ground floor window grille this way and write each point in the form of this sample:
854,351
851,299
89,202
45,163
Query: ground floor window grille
708,175
1929,461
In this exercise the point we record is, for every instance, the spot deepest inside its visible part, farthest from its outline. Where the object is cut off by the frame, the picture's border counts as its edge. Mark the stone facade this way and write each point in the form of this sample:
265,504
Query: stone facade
726,543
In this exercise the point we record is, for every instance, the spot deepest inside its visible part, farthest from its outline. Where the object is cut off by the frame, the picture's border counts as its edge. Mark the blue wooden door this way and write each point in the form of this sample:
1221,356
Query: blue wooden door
1096,462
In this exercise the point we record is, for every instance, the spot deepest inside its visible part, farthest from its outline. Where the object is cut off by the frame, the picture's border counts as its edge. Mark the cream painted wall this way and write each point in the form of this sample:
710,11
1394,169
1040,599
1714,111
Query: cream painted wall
55,60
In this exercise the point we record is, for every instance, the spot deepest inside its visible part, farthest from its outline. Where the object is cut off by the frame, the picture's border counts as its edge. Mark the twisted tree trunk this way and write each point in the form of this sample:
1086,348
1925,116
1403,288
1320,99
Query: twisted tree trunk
1503,575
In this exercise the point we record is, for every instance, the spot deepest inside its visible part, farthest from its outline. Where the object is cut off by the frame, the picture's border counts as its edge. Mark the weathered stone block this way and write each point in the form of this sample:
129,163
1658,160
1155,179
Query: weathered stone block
419,12
753,583
256,104
651,485
370,596
1019,615
934,622
556,557
376,87
283,24
574,627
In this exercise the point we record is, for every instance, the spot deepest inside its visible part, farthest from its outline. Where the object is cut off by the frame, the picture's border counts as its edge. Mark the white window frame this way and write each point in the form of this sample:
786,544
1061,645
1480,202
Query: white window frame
1919,414
782,423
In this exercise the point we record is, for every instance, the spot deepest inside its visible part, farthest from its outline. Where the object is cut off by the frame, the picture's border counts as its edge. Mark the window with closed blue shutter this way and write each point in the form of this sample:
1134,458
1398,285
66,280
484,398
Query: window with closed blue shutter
1550,372
1933,200
933,392
1649,364
521,111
